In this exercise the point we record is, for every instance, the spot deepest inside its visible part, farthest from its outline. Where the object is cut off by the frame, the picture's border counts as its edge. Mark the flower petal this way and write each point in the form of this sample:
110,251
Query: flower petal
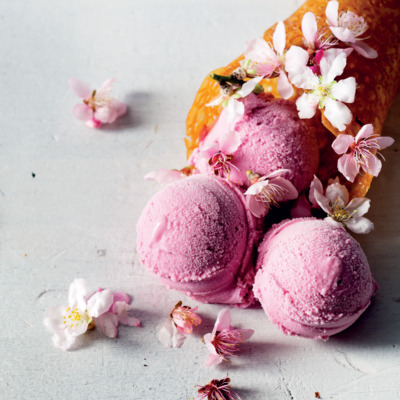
344,90
364,49
257,208
384,141
216,102
276,173
323,202
121,309
343,34
291,192
234,108
332,12
304,79
81,89
342,143
169,335
213,360
316,185
348,167
336,191
332,64
307,105
83,112
373,165
223,321
279,38
359,205
338,114
360,225
309,27
365,132
63,340
296,60
108,323
100,303
245,333
77,293
284,87
54,318
249,86
229,142
257,187
163,175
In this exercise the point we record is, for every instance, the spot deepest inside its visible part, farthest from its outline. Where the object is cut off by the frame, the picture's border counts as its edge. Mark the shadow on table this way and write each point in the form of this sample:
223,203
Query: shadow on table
136,102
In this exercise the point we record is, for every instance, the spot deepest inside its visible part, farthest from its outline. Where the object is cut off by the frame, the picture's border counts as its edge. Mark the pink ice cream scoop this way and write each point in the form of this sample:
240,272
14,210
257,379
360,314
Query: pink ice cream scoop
198,236
271,137
313,278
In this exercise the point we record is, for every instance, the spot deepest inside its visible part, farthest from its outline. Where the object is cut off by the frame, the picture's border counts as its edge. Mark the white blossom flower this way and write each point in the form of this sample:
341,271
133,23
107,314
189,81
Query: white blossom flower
340,209
325,92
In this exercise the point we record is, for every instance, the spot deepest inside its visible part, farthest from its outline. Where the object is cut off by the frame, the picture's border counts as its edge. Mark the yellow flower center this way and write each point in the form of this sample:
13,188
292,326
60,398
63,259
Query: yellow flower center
74,318
340,214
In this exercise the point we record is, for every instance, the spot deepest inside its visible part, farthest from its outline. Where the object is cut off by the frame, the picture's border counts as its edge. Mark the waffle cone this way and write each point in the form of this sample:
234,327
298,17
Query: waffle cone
377,81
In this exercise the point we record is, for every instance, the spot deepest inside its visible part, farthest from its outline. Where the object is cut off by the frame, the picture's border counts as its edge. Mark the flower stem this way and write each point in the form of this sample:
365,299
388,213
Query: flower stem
226,78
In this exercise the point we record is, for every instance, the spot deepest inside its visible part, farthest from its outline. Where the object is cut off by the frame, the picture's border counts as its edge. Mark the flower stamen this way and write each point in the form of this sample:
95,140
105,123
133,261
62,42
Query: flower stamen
221,164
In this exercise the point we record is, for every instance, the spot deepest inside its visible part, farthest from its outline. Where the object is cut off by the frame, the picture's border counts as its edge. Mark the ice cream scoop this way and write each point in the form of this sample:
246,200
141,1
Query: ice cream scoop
271,136
198,237
313,278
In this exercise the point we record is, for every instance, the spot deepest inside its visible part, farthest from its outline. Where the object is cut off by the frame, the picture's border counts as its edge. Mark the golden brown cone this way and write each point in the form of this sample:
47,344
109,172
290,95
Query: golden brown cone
377,80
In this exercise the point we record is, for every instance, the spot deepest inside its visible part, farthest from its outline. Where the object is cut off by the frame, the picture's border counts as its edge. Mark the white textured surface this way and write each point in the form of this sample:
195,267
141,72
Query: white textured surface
77,216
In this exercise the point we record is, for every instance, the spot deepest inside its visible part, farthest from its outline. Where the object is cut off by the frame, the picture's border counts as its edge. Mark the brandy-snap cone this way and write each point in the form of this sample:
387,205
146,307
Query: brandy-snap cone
338,62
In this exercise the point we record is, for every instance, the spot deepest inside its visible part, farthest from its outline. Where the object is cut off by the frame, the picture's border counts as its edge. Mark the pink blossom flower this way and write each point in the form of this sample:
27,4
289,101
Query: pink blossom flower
267,191
224,341
217,389
348,27
335,201
231,101
82,313
325,92
264,60
218,157
180,323
166,176
359,152
98,107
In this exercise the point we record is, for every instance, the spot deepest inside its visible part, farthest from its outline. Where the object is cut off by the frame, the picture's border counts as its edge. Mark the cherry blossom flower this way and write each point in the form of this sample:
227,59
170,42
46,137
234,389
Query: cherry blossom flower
326,93
359,152
82,313
316,41
180,323
340,209
166,176
348,27
98,107
218,157
224,341
265,60
217,389
267,191
229,99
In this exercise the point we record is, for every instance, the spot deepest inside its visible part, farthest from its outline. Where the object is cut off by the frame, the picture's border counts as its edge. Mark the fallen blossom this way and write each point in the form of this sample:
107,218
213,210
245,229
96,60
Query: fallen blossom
180,323
348,27
268,191
229,99
359,152
218,157
217,389
83,312
335,201
325,92
224,340
166,176
98,107
264,60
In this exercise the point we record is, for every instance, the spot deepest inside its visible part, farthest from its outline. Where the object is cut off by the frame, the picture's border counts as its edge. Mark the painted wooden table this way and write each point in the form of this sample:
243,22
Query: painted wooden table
70,198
